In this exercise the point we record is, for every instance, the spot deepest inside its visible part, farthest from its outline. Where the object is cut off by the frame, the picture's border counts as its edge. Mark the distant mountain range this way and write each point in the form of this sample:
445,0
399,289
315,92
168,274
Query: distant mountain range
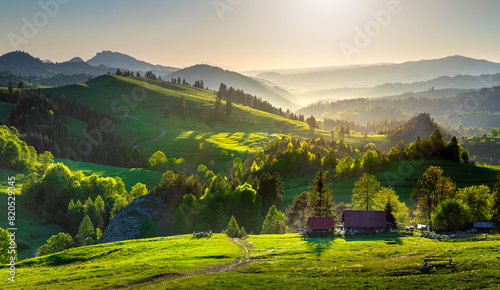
123,61
363,76
442,86
24,64
213,76
286,88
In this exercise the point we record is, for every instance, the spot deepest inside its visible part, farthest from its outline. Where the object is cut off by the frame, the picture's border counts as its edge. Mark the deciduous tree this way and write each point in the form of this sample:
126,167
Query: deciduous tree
478,199
432,188
56,243
451,215
365,195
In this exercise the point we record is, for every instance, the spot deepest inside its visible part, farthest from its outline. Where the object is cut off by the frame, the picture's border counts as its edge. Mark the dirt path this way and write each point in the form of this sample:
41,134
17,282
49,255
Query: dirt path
233,266
150,124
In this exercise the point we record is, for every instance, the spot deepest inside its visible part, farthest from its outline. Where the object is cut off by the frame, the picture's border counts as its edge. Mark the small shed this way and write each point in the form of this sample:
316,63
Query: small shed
360,221
320,226
482,227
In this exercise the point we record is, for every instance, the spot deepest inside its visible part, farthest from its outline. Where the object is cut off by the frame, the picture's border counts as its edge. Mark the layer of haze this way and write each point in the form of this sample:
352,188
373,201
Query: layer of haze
256,34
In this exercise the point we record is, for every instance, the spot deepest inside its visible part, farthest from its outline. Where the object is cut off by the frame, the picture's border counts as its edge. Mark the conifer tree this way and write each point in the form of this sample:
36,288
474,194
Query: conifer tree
321,198
389,215
274,222
86,232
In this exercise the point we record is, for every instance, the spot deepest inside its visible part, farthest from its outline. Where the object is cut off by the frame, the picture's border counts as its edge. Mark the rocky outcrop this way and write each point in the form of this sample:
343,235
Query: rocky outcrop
125,225
422,125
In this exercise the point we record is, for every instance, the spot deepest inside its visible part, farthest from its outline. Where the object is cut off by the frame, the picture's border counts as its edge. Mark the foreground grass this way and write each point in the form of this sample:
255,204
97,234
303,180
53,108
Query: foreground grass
121,263
287,261
275,261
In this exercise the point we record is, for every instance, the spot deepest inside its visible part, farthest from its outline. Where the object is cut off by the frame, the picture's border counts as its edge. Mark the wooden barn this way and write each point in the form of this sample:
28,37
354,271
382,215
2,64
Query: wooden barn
360,221
320,226
482,227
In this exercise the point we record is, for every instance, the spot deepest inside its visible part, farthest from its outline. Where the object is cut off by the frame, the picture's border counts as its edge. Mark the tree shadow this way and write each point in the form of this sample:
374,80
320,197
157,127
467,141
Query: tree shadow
318,245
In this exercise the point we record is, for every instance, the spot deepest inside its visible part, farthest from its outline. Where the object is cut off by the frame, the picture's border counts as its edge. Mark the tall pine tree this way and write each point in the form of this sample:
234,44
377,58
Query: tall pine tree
320,197
389,215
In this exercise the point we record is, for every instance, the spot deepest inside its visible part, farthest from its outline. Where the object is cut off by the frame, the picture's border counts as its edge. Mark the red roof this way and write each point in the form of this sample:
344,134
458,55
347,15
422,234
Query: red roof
321,223
364,219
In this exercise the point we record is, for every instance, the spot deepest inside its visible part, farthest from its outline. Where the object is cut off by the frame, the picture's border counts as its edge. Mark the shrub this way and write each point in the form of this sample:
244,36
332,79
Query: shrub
56,243
451,215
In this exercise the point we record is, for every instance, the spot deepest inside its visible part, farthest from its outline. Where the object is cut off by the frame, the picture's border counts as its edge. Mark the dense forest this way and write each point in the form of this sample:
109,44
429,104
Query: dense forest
42,122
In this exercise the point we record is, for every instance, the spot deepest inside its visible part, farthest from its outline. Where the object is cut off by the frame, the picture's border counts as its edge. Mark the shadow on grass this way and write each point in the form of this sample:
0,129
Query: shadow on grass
318,245
387,237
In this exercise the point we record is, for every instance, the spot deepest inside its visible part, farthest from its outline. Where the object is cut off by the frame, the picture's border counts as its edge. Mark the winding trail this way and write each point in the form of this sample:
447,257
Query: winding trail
233,266
150,124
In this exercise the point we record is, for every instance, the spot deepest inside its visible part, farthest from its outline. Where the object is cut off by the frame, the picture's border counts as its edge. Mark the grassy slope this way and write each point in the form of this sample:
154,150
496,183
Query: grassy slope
121,263
195,142
402,177
277,261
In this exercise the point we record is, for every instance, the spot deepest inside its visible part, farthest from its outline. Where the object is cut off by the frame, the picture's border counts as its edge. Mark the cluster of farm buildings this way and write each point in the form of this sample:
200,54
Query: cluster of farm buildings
366,222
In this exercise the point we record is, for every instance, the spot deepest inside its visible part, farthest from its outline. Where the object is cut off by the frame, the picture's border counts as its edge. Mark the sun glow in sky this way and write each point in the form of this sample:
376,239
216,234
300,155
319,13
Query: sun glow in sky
254,34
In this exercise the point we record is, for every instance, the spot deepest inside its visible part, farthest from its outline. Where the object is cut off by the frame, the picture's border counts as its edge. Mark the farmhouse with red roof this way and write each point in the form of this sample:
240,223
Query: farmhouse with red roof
360,221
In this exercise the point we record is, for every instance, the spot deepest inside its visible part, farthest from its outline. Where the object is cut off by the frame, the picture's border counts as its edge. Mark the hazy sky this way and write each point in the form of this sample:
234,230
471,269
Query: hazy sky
253,34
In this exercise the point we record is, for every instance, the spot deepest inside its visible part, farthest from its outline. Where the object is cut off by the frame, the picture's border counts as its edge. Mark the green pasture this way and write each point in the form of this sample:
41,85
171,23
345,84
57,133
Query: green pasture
245,131
386,261
121,263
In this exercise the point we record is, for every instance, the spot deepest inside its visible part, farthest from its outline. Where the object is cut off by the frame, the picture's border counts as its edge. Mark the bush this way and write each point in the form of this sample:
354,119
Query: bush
4,247
451,215
56,243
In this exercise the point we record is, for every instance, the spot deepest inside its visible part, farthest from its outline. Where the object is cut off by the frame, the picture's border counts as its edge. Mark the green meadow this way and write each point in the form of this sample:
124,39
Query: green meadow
387,261
144,101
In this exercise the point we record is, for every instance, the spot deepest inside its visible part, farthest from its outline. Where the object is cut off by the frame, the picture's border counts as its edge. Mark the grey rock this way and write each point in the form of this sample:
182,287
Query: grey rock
125,225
